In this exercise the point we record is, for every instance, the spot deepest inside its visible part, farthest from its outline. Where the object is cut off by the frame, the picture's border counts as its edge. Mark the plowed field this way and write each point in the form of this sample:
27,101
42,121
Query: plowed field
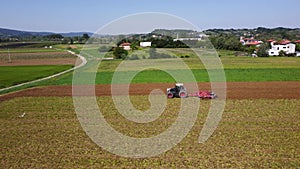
235,90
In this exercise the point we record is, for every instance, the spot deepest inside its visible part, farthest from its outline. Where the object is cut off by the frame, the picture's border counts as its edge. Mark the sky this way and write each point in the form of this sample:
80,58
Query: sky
90,15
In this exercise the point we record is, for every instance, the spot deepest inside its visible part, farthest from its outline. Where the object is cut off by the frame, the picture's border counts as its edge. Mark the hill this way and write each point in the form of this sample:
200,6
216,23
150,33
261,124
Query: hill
10,33
259,33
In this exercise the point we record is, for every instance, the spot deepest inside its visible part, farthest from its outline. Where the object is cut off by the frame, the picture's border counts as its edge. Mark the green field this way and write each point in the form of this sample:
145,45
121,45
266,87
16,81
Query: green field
12,75
105,74
242,69
201,75
157,76
252,134
261,133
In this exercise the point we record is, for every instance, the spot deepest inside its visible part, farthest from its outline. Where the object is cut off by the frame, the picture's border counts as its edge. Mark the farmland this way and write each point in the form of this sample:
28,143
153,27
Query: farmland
259,127
236,69
20,65
12,75
35,57
260,133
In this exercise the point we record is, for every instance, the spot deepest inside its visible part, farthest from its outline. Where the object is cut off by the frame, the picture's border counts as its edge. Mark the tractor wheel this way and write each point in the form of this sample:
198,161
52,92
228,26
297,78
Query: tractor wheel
182,94
170,95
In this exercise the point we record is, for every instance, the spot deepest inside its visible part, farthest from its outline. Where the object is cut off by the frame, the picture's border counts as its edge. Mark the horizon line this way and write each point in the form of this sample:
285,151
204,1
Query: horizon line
94,32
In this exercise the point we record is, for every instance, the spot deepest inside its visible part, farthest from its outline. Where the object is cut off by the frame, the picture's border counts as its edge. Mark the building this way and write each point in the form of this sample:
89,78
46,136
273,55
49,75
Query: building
125,46
145,44
250,41
285,45
198,38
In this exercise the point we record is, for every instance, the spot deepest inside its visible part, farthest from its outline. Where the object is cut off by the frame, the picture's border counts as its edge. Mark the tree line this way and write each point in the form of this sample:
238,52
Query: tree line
52,37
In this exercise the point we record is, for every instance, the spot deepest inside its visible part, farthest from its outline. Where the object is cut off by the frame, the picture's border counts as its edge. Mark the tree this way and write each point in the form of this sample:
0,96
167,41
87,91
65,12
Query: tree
262,50
85,36
55,37
120,53
67,40
282,53
71,41
232,43
298,47
250,49
134,45
227,42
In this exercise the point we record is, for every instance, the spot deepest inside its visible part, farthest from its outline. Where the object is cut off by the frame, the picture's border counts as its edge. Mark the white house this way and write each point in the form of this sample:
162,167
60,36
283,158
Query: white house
125,46
286,46
250,41
199,38
145,44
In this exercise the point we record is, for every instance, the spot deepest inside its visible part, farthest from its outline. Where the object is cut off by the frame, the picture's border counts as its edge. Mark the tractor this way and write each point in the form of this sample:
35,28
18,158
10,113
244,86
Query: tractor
179,91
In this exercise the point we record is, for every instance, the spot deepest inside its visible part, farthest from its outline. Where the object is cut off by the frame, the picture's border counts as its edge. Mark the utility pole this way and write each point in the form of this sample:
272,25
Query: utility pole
9,58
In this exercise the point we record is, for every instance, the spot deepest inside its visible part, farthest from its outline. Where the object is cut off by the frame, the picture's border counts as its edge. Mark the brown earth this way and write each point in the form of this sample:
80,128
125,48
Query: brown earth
38,58
235,90
73,46
56,61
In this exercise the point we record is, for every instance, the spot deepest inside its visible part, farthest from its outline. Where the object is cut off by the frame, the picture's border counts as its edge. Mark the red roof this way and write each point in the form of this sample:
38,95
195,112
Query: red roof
253,43
125,44
297,41
271,40
284,42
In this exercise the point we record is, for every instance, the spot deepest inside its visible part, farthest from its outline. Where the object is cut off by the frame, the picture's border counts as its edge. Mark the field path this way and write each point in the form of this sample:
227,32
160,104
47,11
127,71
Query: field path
83,62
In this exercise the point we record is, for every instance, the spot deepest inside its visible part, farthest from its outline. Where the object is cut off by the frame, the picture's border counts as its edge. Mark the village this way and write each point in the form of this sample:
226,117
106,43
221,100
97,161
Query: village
282,47
277,48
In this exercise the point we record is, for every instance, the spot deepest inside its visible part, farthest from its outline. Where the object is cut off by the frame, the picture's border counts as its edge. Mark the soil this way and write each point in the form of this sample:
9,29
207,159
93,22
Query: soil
235,90
44,58
55,61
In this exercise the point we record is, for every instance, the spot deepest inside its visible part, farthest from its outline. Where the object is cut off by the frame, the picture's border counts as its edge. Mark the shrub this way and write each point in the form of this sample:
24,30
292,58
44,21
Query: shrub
262,50
120,53
282,53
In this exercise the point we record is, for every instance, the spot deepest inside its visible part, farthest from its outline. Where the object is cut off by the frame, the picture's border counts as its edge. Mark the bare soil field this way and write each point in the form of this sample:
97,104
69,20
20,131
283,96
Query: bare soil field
24,62
235,90
44,58
259,129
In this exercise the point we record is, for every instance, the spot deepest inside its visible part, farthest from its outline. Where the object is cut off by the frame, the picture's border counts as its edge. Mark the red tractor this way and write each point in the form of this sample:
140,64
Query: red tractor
179,91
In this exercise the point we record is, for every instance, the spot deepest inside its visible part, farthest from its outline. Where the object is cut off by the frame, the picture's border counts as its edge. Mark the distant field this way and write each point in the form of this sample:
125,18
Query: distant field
32,57
201,75
194,63
244,69
156,76
27,50
261,133
229,60
26,45
12,75
35,55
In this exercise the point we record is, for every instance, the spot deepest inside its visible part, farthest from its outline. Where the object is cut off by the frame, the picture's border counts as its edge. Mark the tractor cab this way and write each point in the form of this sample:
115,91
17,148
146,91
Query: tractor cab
178,91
